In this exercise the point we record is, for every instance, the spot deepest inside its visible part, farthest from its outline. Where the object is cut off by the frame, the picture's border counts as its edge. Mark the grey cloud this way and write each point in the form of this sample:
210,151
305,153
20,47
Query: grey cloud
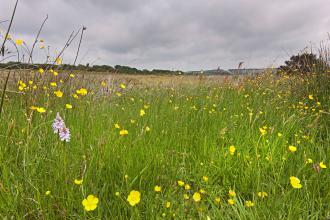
175,34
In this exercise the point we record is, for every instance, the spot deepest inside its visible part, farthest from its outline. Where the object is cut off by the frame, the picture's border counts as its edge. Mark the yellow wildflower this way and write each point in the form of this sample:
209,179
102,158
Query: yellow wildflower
142,112
58,93
231,201
232,150
309,160
90,203
19,42
262,194
41,110
295,182
68,106
263,131
322,165
232,193
134,197
58,61
197,197
123,132
205,178
78,182
292,148
82,91
180,183
249,203
41,70
158,188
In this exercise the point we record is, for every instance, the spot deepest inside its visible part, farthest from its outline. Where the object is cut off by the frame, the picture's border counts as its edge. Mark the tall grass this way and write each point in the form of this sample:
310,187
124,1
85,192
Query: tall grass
191,130
185,136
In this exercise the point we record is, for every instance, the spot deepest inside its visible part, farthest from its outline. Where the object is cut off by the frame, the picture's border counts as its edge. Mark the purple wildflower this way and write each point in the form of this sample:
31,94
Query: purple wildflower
64,134
60,128
58,123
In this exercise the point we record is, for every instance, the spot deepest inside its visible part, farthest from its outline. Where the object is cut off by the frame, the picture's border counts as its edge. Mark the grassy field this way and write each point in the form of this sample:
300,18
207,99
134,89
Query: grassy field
253,149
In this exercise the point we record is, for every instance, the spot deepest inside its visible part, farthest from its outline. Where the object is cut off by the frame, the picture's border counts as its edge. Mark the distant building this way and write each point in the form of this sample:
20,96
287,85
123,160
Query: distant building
254,71
210,72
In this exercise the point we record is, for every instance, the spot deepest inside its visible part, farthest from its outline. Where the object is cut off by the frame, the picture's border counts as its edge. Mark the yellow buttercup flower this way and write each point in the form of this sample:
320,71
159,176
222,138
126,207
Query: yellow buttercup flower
142,112
263,131
58,61
90,203
217,200
82,91
134,197
168,204
231,201
123,86
310,97
295,182
292,148
309,160
322,165
19,42
197,197
117,126
262,194
41,110
187,187
205,178
158,188
232,193
123,132
232,150
41,70
180,183
249,203
78,182
47,193
58,93
53,84
68,106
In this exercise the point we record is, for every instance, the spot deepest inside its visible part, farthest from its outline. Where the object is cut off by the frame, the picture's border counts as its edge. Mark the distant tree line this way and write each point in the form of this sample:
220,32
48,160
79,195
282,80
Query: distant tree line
305,63
87,67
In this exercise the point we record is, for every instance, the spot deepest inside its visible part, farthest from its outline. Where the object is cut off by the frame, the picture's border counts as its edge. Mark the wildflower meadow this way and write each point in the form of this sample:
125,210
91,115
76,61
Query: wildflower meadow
78,145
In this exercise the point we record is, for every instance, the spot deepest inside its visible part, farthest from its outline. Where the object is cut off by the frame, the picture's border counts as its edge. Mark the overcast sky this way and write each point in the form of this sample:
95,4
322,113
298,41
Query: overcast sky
174,34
